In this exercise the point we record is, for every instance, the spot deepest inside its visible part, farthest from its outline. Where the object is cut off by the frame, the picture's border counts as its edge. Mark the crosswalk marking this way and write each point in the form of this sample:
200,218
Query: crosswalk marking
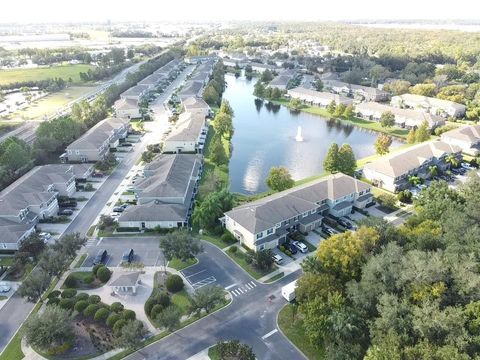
91,242
242,289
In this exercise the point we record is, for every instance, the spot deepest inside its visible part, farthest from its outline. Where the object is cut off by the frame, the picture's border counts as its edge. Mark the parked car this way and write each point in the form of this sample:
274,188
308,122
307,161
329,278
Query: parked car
65,212
328,231
118,209
124,206
345,223
466,166
300,246
97,175
114,214
4,287
291,247
126,144
128,256
277,258
101,257
45,236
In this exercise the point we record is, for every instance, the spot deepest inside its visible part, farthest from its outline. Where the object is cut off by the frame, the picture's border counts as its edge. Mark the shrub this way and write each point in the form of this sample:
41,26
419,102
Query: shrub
88,279
288,253
70,281
81,305
53,301
103,274
66,304
94,299
69,293
101,315
95,269
116,307
387,200
60,349
128,315
112,319
163,299
149,305
81,296
233,249
119,324
54,294
174,283
157,309
282,248
227,238
90,310
405,196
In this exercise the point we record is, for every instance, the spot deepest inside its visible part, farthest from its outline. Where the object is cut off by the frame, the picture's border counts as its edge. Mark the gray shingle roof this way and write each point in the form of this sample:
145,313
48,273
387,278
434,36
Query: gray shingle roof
126,280
188,128
12,231
135,90
154,211
265,213
470,134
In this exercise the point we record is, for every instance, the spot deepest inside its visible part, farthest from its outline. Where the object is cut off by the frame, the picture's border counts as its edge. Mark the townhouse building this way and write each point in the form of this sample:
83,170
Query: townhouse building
430,105
189,134
318,98
465,137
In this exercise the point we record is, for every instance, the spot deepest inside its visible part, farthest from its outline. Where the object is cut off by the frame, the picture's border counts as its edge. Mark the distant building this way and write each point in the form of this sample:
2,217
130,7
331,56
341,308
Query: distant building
260,68
319,98
392,172
189,134
361,92
136,92
466,137
266,223
127,108
431,105
196,105
406,118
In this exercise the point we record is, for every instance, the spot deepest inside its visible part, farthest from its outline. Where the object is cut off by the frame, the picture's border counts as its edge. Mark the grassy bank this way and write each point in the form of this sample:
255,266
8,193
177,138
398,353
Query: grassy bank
365,124
42,73
292,327
241,259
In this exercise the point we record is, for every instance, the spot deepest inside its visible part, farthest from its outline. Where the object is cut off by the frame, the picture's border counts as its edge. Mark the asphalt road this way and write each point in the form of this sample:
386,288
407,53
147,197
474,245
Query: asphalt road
16,310
250,318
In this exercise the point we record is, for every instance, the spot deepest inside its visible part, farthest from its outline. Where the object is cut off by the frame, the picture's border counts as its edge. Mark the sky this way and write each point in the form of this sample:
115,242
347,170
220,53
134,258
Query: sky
217,10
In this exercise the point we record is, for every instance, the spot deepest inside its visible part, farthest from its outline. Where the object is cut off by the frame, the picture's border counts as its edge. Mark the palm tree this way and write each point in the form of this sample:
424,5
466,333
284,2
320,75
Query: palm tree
433,170
414,180
452,160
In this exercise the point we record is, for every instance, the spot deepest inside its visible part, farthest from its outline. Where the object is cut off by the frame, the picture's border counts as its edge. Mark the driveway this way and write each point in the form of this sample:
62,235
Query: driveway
146,250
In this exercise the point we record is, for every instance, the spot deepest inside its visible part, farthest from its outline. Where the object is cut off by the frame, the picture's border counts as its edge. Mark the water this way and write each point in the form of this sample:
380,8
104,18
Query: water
265,137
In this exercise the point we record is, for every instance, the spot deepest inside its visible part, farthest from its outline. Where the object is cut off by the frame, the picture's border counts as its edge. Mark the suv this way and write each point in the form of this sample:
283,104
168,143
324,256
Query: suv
300,246
118,209
128,256
101,257
277,258
291,248
345,223
97,175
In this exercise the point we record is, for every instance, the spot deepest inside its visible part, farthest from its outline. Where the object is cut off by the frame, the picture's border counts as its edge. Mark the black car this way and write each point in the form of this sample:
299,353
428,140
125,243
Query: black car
126,144
344,223
292,248
128,256
101,257
97,175
66,212
118,209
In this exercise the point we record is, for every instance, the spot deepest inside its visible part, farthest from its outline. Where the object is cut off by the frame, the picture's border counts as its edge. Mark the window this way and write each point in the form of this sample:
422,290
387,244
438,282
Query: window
269,231
77,152
305,214
278,225
259,235
313,211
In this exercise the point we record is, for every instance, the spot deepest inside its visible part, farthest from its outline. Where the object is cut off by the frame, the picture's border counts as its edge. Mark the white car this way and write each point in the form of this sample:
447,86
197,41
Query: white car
277,258
115,214
4,287
466,166
300,246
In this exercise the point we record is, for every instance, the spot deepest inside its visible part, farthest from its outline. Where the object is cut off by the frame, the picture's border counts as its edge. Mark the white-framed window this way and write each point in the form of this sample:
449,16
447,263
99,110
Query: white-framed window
269,231
259,235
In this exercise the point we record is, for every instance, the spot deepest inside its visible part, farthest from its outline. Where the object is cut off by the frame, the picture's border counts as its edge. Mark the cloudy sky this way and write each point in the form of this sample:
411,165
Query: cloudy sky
204,10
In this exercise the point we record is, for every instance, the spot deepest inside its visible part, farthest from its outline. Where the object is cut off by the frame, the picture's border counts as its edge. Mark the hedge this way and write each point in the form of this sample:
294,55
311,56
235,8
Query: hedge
174,283
157,309
101,315
94,299
81,305
53,301
81,296
116,307
103,274
129,315
95,269
66,304
112,319
54,294
69,293
90,310
70,281
163,299
118,326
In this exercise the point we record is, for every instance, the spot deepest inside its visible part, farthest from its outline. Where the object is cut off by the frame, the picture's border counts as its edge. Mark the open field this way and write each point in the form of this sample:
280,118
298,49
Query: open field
52,102
64,71
6,126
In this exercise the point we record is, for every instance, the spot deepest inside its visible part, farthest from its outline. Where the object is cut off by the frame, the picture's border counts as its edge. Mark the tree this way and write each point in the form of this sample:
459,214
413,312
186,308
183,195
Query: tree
53,262
181,245
15,155
382,144
312,285
387,200
436,199
211,96
276,94
223,124
206,215
234,350
340,109
49,329
422,134
174,283
32,246
34,285
131,335
331,161
263,259
405,196
318,85
217,151
266,76
354,247
279,179
69,244
346,160
295,104
412,135
106,222
259,90
452,160
348,113
332,107
397,87
226,108
387,119
423,89
169,318
433,170
103,274
206,298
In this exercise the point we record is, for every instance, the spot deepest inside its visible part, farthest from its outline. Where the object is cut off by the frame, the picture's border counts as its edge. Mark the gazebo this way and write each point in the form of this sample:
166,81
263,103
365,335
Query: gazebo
126,284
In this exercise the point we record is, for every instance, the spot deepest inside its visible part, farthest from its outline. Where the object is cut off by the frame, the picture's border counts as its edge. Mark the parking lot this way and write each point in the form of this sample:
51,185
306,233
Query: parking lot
146,250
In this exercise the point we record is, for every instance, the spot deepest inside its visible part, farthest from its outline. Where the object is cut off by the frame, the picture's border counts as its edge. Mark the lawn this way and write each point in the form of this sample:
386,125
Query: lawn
293,330
215,240
275,278
7,261
241,259
370,125
178,264
7,126
36,74
81,260
80,276
213,353
182,300
52,102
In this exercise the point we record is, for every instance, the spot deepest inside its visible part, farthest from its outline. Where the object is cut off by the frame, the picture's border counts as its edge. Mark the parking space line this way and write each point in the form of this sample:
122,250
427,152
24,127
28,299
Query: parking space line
187,276
267,335
230,286
99,241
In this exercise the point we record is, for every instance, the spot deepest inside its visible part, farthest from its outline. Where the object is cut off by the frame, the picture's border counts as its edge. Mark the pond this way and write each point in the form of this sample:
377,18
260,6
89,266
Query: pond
265,137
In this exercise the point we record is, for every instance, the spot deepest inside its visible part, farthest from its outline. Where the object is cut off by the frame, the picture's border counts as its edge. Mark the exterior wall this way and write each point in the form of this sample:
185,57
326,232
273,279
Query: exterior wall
381,180
128,114
66,189
148,224
466,146
179,146
86,155
15,246
248,238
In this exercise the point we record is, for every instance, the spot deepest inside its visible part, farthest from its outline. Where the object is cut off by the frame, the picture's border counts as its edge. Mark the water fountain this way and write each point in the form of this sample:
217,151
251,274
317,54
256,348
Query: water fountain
299,136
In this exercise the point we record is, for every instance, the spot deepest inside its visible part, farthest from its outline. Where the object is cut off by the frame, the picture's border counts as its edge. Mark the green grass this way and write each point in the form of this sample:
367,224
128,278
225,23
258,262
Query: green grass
81,260
3,297
9,125
62,71
275,278
178,264
293,330
370,125
7,261
213,353
182,300
50,103
91,230
215,240
80,277
241,259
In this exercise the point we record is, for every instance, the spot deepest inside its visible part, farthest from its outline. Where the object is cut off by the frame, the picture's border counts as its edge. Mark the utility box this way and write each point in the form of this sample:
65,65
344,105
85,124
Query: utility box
288,291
